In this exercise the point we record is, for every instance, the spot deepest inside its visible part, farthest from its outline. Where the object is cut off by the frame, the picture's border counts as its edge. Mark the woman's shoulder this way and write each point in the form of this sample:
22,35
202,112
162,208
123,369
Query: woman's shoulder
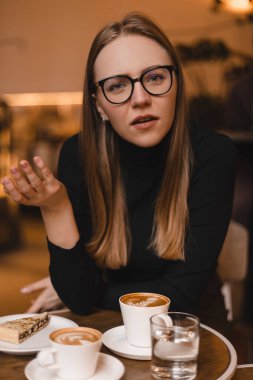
72,142
207,142
70,148
69,154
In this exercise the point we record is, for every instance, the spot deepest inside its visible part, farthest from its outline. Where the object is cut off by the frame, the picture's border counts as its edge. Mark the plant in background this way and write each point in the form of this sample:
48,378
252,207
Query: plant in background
205,106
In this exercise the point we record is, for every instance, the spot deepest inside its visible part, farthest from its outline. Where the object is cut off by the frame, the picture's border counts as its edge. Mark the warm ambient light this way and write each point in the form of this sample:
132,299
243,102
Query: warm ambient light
44,99
237,6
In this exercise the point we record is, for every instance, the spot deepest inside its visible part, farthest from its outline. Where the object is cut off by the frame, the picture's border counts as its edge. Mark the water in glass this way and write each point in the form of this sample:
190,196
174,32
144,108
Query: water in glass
175,353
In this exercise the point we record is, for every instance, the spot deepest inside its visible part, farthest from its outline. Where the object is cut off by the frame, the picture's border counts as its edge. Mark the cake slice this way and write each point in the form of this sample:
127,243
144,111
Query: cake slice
17,330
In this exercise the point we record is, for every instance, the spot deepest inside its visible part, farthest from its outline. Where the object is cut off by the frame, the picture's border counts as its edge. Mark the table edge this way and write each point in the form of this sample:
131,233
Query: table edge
233,362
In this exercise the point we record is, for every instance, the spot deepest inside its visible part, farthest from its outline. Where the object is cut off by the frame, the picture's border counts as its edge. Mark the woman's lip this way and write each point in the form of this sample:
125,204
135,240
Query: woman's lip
145,125
138,120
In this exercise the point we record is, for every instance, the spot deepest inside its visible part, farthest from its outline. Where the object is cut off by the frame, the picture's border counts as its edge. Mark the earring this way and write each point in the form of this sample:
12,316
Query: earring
104,118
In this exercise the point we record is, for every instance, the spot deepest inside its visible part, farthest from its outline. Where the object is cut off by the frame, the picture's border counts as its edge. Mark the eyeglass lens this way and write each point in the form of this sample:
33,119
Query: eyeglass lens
157,81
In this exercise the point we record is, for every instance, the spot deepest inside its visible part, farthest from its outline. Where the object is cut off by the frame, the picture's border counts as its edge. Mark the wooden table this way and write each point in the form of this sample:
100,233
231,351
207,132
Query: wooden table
214,356
243,373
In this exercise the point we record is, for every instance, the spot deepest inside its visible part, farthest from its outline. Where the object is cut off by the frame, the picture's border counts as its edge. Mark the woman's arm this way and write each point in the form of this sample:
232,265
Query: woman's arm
28,188
73,272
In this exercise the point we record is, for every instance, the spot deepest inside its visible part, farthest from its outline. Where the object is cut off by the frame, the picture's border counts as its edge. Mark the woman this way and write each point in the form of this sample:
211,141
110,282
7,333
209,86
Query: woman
143,199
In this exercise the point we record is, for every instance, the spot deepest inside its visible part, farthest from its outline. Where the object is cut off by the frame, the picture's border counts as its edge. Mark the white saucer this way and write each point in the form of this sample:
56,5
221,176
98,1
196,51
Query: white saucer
108,368
38,341
115,340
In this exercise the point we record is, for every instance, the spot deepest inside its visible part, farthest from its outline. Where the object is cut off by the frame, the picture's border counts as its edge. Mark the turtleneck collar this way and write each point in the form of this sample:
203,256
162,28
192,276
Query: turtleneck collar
135,156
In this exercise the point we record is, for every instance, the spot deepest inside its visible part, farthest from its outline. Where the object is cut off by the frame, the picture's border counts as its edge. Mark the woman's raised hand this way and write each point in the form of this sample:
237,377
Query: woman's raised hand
26,187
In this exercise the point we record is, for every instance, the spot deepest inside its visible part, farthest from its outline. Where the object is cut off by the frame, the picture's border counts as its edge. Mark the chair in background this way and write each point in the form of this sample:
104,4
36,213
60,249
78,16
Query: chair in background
232,269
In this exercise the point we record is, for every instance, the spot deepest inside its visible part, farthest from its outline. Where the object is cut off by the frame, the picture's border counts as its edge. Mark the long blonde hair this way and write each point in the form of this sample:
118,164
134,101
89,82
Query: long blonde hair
111,238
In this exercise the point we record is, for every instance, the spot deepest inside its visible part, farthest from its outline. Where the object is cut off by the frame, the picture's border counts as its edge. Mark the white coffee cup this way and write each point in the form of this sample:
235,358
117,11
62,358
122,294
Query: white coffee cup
136,310
73,354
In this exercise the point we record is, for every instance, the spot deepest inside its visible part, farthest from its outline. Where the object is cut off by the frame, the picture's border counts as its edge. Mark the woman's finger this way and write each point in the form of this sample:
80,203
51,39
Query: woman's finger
32,177
47,175
47,300
35,307
40,303
11,189
38,285
22,183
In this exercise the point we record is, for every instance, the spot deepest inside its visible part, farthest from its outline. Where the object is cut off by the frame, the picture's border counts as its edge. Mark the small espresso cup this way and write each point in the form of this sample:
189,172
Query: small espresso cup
136,310
73,354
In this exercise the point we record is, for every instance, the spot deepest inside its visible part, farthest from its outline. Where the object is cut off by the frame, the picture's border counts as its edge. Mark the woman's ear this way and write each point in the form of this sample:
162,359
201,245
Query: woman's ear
99,108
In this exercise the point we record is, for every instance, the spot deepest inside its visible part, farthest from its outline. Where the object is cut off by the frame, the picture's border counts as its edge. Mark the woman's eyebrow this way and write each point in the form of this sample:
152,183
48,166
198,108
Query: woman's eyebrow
142,71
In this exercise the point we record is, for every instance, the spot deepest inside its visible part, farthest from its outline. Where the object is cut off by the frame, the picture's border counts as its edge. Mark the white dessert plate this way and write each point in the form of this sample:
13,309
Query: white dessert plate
115,340
108,368
38,341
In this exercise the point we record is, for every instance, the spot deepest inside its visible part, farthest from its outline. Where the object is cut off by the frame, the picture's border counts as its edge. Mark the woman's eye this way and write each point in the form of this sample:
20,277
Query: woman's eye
116,85
154,78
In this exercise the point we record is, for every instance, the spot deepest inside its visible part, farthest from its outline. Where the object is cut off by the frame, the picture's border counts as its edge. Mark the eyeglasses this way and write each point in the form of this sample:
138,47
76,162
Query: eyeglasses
155,81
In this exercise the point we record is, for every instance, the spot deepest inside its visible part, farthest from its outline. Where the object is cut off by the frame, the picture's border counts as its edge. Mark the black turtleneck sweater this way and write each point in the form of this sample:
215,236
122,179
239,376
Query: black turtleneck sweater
191,284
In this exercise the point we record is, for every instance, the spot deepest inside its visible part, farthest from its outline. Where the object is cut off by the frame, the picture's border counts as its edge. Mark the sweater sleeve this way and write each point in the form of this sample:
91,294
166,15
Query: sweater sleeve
210,204
74,274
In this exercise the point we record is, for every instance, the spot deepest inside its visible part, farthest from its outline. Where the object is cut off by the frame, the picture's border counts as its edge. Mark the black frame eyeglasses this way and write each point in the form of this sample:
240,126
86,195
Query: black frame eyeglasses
156,81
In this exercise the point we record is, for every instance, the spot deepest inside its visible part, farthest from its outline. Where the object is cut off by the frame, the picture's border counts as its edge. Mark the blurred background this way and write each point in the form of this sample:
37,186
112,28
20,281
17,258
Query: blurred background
43,50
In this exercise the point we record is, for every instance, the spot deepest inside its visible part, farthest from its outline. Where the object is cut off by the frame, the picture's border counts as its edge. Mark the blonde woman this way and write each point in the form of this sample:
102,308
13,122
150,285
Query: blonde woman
143,197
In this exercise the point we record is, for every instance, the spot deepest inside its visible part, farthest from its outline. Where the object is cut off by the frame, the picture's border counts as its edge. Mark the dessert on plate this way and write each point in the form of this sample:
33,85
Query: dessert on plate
18,330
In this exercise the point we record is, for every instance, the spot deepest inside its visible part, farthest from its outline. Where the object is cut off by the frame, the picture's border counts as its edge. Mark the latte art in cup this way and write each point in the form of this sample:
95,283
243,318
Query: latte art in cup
137,309
73,353
144,299
75,336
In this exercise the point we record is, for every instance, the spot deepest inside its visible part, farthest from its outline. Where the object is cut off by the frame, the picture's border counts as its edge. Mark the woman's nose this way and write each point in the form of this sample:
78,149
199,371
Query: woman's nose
140,97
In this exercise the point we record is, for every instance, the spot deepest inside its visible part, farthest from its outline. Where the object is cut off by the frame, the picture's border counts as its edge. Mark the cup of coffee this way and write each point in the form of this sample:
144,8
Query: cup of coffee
73,354
136,310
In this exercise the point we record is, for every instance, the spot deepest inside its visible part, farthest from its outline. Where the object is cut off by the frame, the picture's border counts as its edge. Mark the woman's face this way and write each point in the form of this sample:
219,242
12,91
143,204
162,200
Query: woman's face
144,119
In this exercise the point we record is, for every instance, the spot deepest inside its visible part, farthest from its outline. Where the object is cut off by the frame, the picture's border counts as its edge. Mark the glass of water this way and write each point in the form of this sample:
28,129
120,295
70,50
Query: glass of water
175,346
